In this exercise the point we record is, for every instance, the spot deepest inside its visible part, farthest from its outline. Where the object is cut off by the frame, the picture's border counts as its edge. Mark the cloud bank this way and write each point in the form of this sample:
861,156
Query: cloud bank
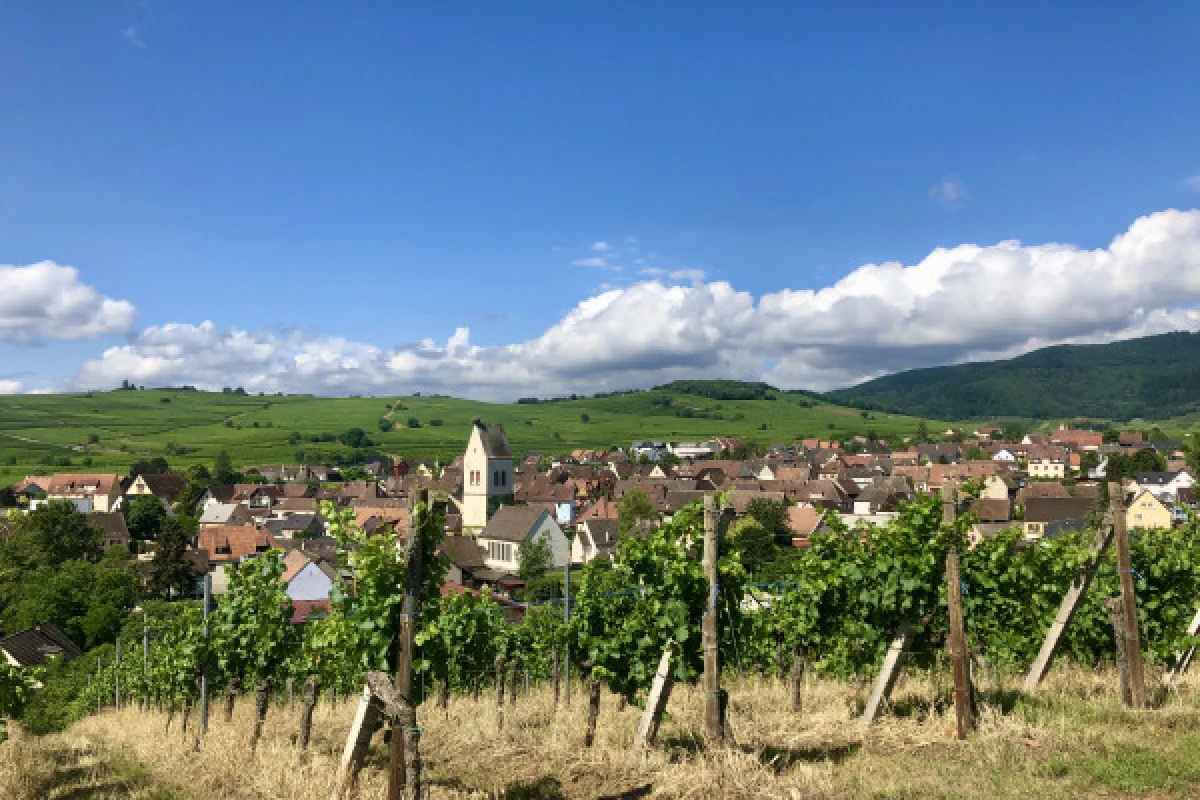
968,302
47,301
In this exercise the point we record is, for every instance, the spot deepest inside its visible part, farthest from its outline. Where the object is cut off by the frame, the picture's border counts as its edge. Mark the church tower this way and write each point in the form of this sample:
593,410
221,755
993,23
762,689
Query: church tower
487,473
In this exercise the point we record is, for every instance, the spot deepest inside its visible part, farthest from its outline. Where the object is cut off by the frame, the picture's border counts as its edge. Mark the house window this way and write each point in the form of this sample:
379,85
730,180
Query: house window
1137,517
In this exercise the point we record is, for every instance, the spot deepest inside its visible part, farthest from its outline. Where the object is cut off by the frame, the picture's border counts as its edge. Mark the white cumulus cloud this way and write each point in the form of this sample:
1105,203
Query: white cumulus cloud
48,301
9,386
967,302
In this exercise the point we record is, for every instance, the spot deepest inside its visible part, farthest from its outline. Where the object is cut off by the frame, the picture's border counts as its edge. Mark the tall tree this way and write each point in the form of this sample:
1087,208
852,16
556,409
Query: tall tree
145,516
534,558
634,507
223,471
172,575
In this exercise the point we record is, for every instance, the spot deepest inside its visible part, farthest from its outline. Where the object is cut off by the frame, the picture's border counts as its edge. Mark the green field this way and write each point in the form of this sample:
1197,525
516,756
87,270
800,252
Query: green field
40,433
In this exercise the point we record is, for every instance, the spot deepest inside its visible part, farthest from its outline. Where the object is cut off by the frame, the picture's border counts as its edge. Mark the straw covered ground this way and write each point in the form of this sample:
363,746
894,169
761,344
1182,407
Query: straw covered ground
1070,739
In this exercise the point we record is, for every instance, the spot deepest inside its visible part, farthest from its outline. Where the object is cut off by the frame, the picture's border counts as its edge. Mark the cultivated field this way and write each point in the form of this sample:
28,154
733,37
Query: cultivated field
1071,739
45,433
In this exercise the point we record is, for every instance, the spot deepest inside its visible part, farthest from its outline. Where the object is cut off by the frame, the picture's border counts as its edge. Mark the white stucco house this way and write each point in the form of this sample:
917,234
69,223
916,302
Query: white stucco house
307,579
502,536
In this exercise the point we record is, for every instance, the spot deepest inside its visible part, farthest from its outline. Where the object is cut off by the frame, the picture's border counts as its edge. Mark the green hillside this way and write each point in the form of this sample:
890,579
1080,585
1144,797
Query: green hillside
112,429
1156,377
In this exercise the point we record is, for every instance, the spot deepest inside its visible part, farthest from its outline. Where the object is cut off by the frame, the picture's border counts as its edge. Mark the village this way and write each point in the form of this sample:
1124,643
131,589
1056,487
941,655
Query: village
567,508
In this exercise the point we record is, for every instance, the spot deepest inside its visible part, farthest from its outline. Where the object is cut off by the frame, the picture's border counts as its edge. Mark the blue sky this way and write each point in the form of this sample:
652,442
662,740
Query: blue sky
602,194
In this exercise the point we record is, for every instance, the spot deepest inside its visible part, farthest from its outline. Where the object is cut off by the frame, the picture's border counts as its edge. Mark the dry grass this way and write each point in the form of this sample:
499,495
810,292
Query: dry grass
1071,739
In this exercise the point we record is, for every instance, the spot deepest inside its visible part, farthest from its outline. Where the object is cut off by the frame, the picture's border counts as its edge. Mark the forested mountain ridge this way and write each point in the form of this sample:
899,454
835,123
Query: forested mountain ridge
1154,377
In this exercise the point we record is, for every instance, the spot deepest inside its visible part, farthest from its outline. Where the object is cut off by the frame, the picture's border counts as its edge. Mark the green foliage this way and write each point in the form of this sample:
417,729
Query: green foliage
634,507
654,592
144,516
534,558
459,638
50,569
1121,466
251,628
223,471
16,685
171,576
754,544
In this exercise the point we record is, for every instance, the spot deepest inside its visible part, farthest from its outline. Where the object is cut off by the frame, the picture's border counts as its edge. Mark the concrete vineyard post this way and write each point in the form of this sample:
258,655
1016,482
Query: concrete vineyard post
1183,658
656,702
893,663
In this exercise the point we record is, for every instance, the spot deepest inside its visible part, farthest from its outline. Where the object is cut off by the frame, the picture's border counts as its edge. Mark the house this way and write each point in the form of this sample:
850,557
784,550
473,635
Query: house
1047,461
651,451
594,538
34,646
803,522
692,449
307,579
1165,485
991,510
510,526
166,487
1147,512
230,544
116,532
215,513
295,526
88,491
487,473
468,562
1049,515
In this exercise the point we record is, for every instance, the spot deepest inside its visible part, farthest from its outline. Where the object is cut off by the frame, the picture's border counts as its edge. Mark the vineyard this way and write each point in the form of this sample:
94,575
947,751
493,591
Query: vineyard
794,655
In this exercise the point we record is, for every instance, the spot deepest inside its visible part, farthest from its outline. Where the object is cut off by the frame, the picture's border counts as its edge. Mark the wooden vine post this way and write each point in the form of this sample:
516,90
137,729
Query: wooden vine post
1133,643
499,665
380,698
404,767
1070,604
714,696
958,634
202,727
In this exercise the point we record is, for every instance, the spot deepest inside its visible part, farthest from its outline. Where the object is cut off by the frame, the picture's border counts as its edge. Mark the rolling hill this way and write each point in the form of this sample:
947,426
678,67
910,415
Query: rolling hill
1155,377
110,430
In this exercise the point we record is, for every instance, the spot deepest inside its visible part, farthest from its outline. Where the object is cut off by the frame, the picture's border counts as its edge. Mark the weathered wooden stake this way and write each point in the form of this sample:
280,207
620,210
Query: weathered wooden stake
183,718
404,768
554,677
1133,641
892,664
231,693
262,697
656,702
202,728
311,693
117,678
512,682
959,656
797,676
593,713
475,688
1070,604
499,692
714,705
1116,615
170,712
